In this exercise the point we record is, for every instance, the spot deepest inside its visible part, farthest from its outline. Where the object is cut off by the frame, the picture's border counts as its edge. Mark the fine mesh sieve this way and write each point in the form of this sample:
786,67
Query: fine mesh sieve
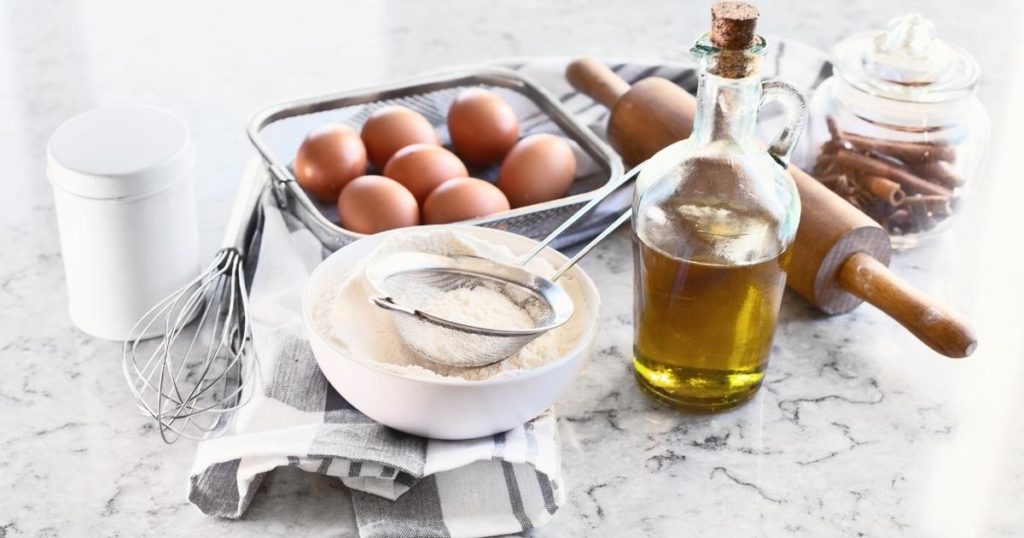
409,282
413,282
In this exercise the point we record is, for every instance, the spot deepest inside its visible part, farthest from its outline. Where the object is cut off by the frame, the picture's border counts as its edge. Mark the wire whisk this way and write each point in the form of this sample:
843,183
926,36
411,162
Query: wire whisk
203,366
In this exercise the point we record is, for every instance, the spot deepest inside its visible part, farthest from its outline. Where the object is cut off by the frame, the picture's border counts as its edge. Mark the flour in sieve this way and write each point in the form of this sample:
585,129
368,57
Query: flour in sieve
480,307
365,331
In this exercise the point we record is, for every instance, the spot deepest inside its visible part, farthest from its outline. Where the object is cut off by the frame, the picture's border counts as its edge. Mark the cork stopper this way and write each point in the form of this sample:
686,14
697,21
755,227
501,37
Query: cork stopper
733,25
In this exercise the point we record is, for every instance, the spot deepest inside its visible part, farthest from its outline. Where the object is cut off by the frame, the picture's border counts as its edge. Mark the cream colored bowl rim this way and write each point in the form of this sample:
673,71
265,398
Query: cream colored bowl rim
314,281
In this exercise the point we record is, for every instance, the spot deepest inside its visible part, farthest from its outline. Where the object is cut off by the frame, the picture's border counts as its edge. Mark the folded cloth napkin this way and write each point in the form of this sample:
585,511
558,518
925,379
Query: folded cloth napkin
401,485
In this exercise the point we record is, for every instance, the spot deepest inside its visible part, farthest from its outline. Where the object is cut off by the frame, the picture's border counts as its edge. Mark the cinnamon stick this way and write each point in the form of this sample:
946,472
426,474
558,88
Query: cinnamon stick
825,165
884,189
829,181
940,172
908,152
829,147
904,186
834,131
929,205
875,167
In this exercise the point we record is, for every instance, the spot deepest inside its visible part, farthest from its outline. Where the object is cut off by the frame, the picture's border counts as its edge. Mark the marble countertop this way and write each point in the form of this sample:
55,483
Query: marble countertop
860,430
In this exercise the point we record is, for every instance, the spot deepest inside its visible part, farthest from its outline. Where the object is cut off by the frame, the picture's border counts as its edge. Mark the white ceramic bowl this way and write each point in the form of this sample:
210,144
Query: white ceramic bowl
443,408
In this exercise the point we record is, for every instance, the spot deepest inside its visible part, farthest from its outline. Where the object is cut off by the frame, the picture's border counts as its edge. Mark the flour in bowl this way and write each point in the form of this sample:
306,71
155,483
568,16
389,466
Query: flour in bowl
479,307
365,331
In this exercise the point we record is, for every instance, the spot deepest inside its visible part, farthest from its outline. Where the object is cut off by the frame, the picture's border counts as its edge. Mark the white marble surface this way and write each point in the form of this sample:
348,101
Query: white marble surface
859,431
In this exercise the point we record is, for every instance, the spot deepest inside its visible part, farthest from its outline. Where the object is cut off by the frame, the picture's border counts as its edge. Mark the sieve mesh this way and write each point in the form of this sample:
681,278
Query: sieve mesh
448,342
413,284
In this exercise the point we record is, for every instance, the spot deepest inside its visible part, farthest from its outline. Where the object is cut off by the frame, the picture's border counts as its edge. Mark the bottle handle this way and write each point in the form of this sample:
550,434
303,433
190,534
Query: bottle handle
796,115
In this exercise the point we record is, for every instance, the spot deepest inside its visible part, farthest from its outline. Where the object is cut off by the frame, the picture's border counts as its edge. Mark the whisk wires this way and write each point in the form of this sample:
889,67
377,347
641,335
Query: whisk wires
199,371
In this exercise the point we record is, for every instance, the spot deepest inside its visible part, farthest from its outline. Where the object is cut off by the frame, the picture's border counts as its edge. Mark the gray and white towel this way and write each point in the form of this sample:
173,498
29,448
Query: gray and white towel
402,485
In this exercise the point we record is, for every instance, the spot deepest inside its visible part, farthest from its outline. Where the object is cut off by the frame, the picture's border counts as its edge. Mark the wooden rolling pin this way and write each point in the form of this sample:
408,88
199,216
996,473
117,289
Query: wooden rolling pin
840,256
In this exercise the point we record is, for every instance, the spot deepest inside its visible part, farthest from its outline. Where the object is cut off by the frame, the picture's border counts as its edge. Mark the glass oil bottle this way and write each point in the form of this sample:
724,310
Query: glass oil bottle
713,235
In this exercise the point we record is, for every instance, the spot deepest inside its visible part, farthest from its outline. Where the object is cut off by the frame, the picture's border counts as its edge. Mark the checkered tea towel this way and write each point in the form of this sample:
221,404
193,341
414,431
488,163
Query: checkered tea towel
401,485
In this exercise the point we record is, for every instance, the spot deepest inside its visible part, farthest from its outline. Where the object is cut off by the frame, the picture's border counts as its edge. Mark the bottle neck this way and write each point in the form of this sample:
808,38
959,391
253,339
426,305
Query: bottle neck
726,107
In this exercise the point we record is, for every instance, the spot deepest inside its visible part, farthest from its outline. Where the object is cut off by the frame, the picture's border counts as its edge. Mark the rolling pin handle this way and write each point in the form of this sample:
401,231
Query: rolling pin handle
596,80
943,331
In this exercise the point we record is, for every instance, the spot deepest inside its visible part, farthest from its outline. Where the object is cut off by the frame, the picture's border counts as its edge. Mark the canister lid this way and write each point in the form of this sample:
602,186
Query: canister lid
119,152
906,62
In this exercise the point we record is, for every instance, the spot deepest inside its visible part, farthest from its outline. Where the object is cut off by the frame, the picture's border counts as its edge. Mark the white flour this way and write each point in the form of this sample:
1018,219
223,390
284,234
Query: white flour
366,331
480,307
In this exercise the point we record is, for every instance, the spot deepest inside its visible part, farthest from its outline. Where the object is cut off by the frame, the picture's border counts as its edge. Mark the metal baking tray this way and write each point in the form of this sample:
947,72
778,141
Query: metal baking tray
277,132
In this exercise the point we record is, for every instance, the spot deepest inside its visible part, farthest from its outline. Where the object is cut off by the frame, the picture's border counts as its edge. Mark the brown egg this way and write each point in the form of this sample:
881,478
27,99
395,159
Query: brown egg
540,168
371,204
329,157
422,167
482,126
391,128
461,199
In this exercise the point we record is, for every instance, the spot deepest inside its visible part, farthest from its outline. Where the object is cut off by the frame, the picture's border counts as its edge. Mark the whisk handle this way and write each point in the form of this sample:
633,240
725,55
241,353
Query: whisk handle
246,200
623,218
606,191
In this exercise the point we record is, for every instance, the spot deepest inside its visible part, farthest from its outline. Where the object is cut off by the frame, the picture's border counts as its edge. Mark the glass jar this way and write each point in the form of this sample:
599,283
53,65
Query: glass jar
897,130
714,219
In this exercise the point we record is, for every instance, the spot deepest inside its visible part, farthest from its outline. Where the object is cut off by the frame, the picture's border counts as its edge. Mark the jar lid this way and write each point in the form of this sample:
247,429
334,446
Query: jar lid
119,152
906,63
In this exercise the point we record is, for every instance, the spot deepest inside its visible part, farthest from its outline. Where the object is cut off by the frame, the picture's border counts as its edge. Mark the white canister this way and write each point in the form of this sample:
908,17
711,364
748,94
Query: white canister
122,186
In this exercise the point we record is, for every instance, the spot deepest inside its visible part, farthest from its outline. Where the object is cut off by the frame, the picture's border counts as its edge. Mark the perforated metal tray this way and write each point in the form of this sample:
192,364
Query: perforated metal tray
278,131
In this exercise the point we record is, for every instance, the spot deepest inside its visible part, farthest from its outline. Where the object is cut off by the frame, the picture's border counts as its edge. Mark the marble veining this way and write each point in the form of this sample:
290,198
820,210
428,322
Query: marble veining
859,429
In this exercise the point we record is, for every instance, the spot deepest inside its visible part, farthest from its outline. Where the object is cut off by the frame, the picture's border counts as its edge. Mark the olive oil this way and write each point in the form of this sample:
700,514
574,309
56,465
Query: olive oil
714,220
704,326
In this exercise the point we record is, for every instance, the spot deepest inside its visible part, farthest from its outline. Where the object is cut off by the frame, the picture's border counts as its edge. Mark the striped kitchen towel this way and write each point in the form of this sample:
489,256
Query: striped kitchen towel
401,485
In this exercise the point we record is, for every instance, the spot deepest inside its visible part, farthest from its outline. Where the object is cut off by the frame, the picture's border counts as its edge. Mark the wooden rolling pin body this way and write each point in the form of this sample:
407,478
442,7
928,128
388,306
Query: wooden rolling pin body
839,255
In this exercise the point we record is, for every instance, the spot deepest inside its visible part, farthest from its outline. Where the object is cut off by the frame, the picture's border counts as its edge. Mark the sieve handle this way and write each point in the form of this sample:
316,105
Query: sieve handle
388,304
607,191
623,218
